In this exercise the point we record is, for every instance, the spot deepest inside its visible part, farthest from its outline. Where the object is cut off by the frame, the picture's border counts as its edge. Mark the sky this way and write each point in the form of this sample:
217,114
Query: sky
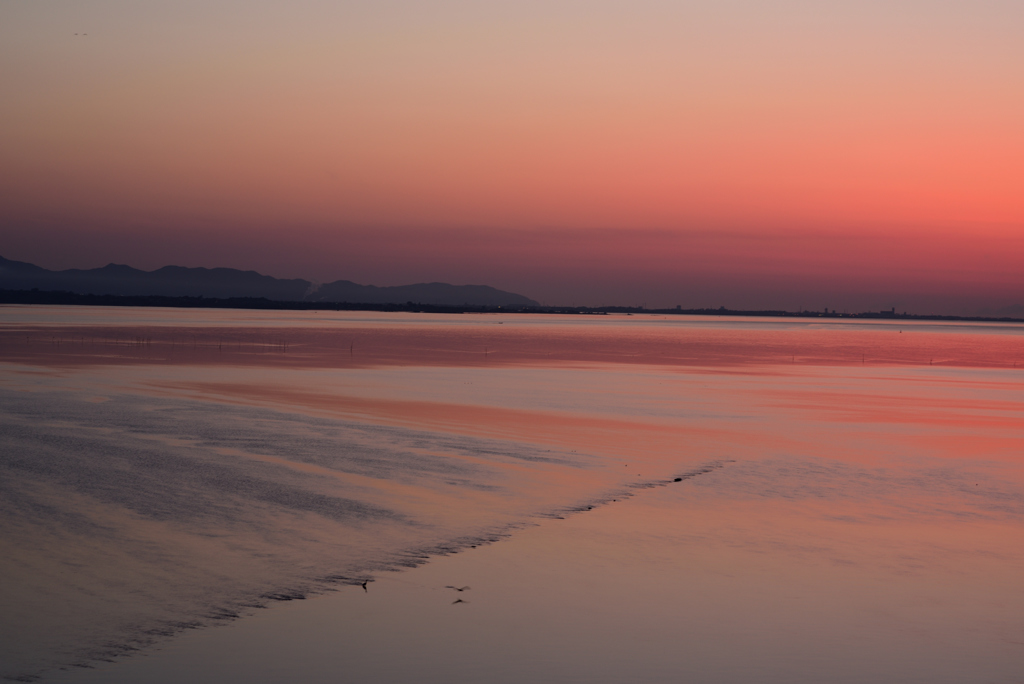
791,154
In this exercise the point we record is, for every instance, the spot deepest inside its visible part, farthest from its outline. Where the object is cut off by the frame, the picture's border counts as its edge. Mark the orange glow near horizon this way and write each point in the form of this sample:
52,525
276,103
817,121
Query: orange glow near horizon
323,124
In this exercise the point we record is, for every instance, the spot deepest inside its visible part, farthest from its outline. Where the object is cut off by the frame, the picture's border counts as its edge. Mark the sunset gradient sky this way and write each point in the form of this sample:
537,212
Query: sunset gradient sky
847,154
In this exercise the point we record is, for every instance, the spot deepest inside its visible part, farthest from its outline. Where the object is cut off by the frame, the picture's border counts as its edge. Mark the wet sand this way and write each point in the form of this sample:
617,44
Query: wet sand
775,572
850,499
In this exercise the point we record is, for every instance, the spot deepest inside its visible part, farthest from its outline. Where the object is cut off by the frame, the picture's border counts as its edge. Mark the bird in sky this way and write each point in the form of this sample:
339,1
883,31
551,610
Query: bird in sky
363,585
456,588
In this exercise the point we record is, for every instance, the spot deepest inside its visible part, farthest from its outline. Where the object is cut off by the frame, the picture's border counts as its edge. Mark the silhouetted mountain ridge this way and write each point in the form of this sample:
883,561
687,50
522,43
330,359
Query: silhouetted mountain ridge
225,283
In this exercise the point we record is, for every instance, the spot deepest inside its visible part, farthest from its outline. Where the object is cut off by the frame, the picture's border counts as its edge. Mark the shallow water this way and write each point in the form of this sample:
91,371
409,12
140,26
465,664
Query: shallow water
850,507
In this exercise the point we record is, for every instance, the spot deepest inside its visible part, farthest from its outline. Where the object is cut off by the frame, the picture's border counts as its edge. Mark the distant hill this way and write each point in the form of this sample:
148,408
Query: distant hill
224,283
437,294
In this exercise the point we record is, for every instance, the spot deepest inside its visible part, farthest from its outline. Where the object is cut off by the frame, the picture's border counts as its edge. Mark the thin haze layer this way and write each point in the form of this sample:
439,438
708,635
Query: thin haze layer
741,153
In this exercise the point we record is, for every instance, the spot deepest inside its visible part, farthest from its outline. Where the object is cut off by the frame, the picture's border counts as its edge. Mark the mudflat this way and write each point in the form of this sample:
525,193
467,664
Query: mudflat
628,498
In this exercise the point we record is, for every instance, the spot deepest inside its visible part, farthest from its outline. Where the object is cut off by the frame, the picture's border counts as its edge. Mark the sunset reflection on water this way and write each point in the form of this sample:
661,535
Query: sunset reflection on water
851,505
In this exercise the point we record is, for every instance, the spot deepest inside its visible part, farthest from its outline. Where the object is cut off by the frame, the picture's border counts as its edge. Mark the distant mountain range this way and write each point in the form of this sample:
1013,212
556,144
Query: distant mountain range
226,283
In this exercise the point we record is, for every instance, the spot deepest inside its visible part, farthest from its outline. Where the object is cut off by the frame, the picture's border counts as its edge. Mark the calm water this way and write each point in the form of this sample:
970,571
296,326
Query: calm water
849,503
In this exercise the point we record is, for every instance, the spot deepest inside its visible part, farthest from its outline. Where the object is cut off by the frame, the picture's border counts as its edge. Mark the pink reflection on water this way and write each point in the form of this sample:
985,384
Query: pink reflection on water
860,512
349,341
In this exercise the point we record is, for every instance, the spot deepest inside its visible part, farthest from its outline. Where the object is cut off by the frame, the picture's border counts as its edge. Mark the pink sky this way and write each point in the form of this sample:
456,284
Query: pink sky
746,154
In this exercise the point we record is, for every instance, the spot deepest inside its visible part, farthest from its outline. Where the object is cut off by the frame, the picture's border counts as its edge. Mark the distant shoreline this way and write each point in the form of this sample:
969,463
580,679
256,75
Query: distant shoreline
64,298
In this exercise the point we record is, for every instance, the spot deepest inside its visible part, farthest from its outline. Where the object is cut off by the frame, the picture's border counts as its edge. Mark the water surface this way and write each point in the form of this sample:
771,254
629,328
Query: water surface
849,504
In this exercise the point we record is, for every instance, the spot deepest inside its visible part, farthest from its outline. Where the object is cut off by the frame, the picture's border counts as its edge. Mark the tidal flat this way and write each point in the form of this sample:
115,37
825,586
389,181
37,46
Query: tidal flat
298,496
